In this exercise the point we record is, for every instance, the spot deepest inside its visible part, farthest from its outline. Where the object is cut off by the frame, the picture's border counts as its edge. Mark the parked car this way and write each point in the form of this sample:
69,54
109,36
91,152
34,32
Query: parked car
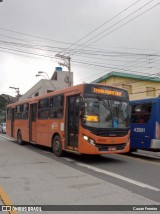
3,128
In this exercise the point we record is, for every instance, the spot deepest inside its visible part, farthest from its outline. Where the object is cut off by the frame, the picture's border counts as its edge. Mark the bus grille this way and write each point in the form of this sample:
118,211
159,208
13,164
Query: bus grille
102,147
110,133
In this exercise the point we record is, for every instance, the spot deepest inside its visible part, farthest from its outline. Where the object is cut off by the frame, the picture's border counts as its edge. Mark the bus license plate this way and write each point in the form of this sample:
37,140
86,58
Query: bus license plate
111,148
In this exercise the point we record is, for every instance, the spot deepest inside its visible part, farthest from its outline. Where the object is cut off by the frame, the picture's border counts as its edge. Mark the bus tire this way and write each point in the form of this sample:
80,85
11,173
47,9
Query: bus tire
19,138
57,146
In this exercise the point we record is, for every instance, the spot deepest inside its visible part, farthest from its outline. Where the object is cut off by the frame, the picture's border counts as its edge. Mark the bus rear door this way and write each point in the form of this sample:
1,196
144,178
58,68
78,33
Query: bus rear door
72,122
33,123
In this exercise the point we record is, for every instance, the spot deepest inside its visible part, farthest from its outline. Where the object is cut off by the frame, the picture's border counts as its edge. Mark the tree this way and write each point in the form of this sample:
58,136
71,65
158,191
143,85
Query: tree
4,100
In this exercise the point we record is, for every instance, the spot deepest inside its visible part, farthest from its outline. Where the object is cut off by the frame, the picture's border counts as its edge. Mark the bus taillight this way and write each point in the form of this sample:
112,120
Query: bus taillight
157,134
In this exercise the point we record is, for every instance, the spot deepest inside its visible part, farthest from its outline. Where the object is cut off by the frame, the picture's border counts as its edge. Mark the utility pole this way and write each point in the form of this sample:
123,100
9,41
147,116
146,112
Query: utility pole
17,91
66,64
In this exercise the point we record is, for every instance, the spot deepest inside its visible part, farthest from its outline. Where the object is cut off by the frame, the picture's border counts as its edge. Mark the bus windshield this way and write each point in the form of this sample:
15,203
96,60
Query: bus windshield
105,113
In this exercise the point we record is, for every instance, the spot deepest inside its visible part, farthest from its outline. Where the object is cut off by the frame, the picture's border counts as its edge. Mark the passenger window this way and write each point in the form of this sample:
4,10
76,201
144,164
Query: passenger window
43,108
18,112
9,113
24,109
141,113
56,106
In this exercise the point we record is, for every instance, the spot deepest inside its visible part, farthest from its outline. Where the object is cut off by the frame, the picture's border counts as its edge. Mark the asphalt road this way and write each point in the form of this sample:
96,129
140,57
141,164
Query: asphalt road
137,173
33,175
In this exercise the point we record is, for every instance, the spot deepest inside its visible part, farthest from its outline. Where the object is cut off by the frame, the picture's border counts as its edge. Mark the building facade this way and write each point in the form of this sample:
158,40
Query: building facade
138,86
58,81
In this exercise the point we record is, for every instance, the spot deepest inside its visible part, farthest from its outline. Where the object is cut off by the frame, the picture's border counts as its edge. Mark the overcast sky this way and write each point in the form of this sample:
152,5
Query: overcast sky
127,39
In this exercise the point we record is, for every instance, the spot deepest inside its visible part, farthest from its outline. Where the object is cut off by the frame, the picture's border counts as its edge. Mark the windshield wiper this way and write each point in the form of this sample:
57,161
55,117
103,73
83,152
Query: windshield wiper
107,106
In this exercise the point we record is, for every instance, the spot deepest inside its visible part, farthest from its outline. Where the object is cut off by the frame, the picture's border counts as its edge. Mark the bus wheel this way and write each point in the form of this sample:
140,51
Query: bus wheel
19,138
57,146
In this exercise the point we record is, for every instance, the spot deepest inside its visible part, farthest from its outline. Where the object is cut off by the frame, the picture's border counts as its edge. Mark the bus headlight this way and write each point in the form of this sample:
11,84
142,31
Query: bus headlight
85,137
89,140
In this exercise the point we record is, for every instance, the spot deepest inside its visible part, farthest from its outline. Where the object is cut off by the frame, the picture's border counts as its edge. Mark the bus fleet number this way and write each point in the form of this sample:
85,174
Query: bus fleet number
139,129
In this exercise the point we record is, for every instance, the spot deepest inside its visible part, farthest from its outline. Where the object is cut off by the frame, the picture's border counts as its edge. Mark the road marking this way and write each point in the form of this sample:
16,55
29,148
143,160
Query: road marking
112,174
6,201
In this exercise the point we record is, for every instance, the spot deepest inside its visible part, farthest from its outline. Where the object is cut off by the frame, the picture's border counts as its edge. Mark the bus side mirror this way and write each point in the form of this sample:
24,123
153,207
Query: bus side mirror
81,106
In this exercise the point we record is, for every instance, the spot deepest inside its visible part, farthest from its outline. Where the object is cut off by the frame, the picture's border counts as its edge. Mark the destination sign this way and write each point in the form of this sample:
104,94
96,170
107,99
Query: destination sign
106,91
91,118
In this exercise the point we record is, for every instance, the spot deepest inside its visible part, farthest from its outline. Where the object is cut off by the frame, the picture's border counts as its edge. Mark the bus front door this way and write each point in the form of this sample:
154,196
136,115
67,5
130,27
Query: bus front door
72,122
32,123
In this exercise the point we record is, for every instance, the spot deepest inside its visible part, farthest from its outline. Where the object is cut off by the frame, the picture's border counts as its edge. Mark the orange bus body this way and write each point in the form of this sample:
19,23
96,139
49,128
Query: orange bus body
34,121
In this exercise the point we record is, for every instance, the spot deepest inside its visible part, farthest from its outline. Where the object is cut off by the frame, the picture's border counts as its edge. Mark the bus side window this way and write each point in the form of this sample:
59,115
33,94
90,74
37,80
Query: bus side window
43,108
141,113
56,106
8,113
25,108
34,113
18,112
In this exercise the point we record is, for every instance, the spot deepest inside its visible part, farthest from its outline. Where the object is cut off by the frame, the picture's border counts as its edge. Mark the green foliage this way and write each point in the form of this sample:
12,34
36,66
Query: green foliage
3,102
3,105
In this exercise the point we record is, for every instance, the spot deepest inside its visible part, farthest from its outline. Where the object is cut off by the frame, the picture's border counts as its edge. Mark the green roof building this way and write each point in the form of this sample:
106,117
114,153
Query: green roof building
138,86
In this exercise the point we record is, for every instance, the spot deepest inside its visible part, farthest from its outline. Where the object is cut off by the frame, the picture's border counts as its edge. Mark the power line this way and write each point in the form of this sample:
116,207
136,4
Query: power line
113,68
117,22
26,52
106,22
102,65
28,46
22,45
117,27
6,46
33,36
74,61
52,57
95,48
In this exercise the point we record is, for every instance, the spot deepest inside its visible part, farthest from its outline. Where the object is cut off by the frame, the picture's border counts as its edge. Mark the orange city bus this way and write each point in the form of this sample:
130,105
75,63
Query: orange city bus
84,119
